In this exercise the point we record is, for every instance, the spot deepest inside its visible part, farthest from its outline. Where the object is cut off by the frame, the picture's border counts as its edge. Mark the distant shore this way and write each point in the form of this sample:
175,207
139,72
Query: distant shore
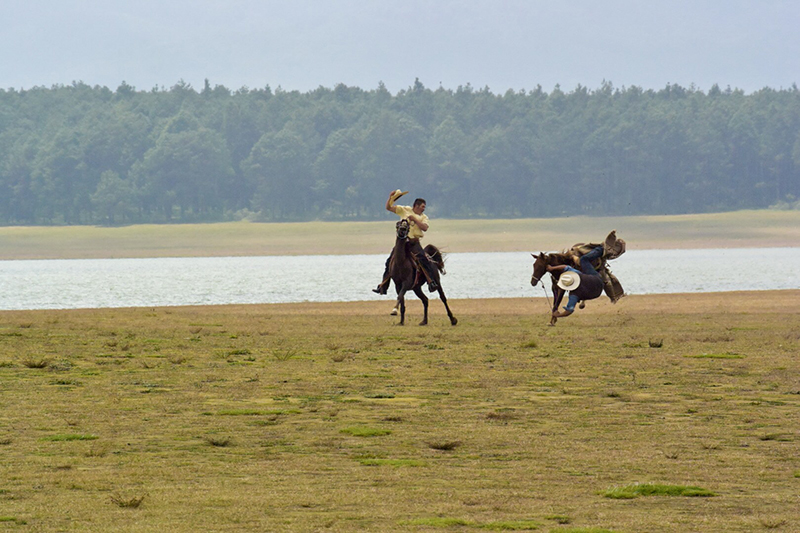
740,229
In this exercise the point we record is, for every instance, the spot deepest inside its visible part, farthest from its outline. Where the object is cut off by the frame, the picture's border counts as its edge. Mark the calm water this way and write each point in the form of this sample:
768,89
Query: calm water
84,283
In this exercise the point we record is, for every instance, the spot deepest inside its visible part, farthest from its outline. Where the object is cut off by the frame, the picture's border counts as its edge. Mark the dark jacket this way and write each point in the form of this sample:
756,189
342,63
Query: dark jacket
591,287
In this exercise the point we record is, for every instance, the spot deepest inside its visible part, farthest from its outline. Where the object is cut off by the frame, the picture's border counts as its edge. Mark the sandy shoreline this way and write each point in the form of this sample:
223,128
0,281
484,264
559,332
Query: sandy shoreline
684,303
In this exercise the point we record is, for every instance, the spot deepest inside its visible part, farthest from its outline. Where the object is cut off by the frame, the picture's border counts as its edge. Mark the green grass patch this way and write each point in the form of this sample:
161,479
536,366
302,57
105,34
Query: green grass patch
66,437
650,489
362,431
502,525
583,530
13,519
726,355
254,412
442,522
511,525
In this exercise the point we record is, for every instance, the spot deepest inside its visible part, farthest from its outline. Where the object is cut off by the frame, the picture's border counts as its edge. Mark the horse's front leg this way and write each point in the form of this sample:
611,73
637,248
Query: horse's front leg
421,295
453,320
558,296
401,303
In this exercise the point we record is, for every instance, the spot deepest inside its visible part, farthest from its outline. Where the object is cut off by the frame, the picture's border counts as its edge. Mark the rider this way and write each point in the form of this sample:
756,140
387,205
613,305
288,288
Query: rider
583,284
418,225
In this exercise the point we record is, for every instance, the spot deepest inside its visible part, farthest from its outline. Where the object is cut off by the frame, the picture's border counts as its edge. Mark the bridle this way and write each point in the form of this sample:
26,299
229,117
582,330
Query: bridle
535,281
402,229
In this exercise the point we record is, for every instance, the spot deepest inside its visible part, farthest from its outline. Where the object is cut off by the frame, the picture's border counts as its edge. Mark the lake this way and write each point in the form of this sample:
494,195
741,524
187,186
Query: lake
90,283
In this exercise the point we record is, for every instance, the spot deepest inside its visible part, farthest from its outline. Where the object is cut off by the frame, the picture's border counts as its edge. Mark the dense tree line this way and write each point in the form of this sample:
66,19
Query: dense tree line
89,155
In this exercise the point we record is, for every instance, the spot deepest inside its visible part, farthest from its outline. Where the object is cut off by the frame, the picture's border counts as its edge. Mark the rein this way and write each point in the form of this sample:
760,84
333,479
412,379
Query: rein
549,305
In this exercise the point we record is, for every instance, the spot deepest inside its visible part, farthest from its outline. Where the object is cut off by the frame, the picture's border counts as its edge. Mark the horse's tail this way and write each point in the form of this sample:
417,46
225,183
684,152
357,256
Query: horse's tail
436,256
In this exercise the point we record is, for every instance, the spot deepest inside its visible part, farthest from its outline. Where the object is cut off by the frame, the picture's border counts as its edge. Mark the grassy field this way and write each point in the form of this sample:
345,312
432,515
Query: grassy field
738,229
659,413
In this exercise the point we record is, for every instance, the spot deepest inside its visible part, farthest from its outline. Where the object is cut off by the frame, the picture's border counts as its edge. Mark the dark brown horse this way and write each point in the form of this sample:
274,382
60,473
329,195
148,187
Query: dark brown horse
407,275
611,284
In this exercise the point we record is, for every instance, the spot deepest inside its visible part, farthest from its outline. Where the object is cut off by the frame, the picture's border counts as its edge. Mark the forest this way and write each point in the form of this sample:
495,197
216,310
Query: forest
80,154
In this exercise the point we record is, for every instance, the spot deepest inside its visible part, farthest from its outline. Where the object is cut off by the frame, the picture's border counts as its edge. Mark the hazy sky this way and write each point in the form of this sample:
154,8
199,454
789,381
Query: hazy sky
302,44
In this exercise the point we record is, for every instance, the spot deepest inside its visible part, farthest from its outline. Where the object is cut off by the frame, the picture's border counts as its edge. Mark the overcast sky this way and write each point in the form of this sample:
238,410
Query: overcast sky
304,44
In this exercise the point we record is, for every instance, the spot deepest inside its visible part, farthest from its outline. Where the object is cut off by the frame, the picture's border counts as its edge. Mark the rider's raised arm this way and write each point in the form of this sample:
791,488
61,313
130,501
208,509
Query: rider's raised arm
390,203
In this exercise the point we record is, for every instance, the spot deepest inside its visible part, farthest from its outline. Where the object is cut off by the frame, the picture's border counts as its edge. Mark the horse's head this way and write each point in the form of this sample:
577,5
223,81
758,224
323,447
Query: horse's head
402,229
539,267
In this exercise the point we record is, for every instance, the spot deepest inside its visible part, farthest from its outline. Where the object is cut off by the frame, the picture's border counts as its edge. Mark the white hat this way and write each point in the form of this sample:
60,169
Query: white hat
569,280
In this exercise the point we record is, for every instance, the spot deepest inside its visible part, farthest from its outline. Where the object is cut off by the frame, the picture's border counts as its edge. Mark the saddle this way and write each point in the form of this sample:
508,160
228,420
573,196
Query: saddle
420,270
613,247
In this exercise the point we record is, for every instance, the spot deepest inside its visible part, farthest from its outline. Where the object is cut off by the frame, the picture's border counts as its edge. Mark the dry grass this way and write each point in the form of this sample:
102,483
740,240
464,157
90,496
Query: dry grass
133,502
501,423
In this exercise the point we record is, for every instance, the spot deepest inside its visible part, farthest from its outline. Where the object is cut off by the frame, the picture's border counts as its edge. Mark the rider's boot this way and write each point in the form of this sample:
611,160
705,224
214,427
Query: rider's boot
382,287
433,286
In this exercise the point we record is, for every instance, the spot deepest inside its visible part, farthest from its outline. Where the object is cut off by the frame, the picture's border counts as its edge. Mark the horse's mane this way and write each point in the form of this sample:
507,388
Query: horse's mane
564,257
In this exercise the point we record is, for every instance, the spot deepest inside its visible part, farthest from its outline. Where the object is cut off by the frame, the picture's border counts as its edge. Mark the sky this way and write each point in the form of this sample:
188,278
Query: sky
304,44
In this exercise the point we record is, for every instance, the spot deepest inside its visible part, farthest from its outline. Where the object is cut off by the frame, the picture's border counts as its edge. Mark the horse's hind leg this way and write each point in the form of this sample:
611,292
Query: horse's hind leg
421,295
453,320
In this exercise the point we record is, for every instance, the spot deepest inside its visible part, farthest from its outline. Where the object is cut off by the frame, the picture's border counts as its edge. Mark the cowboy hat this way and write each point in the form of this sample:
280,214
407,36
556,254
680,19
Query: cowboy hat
397,194
569,280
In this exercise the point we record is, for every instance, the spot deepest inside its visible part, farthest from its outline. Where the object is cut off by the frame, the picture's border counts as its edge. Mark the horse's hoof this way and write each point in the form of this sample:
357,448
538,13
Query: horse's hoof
423,323
454,321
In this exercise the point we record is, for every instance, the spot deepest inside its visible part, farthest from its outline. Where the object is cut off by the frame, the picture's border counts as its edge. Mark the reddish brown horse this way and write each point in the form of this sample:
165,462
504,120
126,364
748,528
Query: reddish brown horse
611,284
540,264
408,276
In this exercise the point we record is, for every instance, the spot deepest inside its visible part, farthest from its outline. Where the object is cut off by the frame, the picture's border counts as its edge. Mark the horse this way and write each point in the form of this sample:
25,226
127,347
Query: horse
611,284
540,264
407,275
